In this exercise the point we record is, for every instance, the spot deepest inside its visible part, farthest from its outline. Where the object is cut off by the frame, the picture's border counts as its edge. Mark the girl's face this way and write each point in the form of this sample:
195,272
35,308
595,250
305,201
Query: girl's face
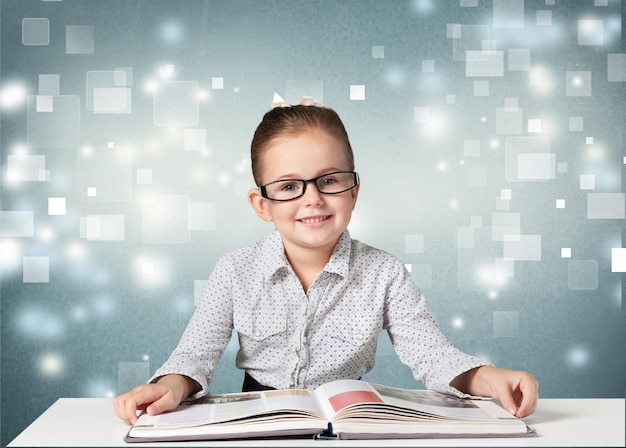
315,220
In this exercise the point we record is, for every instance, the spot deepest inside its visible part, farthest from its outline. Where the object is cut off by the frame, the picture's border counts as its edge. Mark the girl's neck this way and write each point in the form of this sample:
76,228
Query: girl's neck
308,263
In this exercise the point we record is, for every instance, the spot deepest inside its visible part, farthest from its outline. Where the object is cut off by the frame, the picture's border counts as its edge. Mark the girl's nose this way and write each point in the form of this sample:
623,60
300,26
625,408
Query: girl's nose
312,194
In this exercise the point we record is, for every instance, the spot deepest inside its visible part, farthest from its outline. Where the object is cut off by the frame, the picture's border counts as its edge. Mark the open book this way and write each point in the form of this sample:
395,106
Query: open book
345,409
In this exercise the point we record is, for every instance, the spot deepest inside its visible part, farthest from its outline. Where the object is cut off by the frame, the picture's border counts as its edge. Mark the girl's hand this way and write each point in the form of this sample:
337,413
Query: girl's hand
162,396
516,390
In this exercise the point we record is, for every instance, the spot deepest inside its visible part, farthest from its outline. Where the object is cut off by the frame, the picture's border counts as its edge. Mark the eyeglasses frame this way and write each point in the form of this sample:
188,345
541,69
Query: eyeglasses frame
263,190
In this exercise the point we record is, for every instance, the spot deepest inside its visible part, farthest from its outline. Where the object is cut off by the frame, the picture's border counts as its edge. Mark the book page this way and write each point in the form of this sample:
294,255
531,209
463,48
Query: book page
339,395
229,407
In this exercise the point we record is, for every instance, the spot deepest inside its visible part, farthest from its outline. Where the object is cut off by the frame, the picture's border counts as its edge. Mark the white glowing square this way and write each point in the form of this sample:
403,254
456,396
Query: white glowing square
560,203
506,194
56,206
534,125
144,176
450,99
508,14
378,52
561,167
147,268
36,270
45,103
587,182
618,259
357,92
566,252
92,192
590,32
217,83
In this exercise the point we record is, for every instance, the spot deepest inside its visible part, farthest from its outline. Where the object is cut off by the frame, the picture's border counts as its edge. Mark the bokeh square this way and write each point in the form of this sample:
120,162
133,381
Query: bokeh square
428,66
587,182
112,100
17,223
577,83
217,83
590,32
536,167
176,103
527,248
484,63
582,275
378,52
508,14
560,203
471,148
56,206
606,205
35,31
79,39
25,167
103,227
49,85
616,67
544,17
357,92
566,252
618,259
45,103
36,270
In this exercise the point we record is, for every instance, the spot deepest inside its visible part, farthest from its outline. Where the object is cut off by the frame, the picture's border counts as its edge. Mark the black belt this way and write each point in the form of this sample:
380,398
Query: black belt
252,385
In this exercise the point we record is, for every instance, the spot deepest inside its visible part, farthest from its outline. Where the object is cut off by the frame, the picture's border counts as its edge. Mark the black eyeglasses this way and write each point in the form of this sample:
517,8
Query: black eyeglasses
289,189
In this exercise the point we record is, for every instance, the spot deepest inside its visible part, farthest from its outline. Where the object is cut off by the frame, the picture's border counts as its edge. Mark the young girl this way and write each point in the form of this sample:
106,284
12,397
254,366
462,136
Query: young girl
307,301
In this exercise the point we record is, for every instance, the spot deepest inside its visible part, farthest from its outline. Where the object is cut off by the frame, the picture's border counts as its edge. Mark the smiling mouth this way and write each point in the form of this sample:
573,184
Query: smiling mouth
314,220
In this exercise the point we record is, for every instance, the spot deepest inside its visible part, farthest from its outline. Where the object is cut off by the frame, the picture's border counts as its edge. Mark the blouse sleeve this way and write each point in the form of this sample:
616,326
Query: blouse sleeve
207,334
418,340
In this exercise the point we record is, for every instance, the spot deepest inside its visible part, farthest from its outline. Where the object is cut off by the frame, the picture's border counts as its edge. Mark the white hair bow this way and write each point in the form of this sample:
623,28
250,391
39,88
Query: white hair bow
278,101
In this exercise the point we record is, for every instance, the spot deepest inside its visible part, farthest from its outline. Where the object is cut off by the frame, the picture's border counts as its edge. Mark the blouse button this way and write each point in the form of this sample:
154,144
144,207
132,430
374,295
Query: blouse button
358,336
257,333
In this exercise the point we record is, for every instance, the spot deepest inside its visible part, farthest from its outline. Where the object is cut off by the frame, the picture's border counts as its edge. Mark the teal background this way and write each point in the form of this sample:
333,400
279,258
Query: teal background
463,159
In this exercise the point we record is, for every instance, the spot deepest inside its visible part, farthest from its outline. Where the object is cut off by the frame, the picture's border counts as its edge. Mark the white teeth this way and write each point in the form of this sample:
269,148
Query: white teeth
312,220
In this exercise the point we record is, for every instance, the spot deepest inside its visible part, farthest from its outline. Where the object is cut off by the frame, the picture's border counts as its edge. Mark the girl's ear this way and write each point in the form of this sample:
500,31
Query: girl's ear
355,195
259,204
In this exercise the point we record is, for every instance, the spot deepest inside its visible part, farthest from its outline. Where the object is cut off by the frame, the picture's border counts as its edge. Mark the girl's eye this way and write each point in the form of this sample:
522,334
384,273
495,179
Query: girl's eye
290,187
328,181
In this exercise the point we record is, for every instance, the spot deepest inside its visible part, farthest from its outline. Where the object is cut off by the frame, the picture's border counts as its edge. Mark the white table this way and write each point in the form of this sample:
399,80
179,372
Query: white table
559,422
